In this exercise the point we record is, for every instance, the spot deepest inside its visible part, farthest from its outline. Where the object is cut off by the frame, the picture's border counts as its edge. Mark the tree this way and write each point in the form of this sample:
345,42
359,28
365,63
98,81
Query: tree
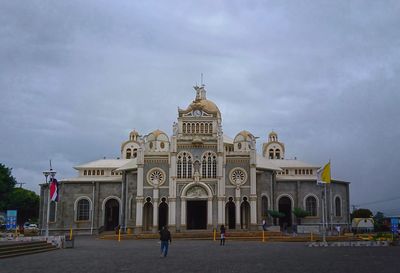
7,183
27,204
300,213
379,222
361,213
275,214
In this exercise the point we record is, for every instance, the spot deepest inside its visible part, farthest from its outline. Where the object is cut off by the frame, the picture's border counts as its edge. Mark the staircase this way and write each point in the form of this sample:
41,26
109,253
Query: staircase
24,248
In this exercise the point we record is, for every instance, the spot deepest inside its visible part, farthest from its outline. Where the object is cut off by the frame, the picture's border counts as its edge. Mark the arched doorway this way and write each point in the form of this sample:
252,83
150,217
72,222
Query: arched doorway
148,215
285,207
245,214
111,214
162,214
230,212
196,208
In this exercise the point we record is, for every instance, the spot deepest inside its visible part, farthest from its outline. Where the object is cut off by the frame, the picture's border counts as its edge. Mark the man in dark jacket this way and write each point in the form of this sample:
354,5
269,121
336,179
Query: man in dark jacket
165,238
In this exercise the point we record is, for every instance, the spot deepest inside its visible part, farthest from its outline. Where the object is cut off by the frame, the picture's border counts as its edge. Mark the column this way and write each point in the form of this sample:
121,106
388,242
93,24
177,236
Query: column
139,198
253,211
237,204
209,212
253,194
139,212
171,212
183,213
221,211
155,208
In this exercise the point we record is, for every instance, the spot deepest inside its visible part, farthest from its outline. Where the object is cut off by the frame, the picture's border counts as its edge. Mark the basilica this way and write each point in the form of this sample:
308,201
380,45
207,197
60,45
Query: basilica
195,179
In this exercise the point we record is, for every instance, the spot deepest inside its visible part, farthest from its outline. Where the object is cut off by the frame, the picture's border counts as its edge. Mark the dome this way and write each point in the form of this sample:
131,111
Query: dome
273,133
244,136
202,103
205,105
157,135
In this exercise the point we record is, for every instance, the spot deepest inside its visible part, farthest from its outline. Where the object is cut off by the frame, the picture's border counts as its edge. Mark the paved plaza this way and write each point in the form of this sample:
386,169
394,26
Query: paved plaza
94,255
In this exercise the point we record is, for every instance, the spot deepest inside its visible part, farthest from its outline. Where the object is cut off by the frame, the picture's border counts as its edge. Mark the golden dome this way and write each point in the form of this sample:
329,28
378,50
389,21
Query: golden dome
205,105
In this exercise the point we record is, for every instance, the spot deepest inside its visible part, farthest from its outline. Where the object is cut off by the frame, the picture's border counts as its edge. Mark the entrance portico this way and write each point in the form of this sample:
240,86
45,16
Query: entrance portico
196,206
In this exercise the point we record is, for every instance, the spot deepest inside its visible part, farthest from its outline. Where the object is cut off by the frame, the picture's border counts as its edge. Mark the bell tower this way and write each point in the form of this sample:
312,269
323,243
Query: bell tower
273,149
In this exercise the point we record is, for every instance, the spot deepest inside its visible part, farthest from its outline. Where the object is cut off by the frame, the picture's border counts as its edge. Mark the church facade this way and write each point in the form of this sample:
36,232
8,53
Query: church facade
195,179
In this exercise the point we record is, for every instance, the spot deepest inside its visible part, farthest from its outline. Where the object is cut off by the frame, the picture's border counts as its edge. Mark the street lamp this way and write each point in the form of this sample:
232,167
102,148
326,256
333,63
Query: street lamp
46,174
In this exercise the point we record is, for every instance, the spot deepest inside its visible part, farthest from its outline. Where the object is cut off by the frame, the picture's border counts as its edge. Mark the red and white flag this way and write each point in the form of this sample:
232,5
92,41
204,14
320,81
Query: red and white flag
53,190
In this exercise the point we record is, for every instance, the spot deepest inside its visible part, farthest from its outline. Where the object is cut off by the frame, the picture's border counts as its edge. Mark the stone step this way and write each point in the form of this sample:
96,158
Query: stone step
9,255
17,249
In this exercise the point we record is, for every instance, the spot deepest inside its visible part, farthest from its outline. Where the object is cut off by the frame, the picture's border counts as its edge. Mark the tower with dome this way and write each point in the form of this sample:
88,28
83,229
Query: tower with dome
196,178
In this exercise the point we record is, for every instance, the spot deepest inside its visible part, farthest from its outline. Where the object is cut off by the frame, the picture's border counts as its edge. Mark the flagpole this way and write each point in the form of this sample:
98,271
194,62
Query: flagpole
326,208
324,216
48,173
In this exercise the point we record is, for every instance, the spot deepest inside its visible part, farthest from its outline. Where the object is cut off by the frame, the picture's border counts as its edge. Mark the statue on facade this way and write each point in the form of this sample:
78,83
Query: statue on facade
220,132
175,128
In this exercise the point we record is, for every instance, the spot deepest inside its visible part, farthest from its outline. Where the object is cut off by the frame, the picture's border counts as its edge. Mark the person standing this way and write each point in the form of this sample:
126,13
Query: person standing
165,238
264,225
223,231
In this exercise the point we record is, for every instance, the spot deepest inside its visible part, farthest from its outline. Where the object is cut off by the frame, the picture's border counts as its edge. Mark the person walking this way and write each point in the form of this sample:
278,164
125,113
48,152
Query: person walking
223,231
165,238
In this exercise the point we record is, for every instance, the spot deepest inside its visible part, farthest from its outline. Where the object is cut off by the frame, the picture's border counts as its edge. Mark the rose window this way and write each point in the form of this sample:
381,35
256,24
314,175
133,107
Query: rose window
238,176
156,177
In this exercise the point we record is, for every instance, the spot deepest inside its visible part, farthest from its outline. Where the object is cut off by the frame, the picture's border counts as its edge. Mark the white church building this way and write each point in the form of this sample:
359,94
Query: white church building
195,179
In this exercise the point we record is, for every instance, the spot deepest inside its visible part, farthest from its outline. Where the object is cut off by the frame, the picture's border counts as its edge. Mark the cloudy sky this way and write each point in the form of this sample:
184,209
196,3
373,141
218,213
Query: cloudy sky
77,76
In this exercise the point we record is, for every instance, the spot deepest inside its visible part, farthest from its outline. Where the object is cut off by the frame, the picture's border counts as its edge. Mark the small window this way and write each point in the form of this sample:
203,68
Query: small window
102,172
89,172
239,145
83,209
162,145
85,172
98,172
151,145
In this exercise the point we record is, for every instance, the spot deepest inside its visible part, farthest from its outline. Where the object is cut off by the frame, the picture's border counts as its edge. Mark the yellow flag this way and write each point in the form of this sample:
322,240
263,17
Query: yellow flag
324,174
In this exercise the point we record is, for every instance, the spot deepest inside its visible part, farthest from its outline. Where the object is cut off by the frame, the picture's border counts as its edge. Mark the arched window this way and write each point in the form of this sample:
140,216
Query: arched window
98,172
271,154
85,172
193,128
184,128
128,153
102,172
210,130
338,207
52,216
83,210
311,206
278,154
209,165
184,165
202,128
89,172
134,155
206,128
197,128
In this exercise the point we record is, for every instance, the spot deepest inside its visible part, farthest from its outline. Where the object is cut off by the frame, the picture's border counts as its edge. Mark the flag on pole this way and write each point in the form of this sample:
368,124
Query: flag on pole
53,190
324,174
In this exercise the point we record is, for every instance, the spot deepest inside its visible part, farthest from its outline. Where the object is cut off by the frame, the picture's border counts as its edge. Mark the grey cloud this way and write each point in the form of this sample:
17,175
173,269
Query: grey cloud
76,77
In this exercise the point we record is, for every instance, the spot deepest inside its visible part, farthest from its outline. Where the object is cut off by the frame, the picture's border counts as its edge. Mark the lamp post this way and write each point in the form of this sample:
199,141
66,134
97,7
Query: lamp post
46,174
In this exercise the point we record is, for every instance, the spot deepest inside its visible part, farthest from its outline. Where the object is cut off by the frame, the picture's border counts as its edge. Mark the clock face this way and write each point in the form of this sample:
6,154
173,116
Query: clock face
197,113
